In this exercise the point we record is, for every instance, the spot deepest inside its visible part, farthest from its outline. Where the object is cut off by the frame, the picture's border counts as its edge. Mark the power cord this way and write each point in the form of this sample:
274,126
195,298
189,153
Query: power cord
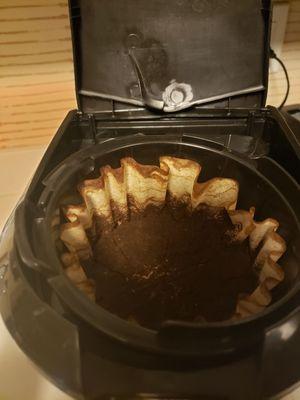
273,55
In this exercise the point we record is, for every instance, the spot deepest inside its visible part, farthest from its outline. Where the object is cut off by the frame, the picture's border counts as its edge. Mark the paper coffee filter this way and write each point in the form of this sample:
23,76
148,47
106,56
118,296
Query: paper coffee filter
110,200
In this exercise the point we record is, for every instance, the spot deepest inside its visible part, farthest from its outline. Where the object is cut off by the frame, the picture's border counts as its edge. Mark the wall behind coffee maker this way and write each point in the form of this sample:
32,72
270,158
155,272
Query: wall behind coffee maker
36,70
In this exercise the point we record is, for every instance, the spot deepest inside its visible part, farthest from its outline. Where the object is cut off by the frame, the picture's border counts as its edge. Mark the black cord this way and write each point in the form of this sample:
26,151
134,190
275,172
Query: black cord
273,55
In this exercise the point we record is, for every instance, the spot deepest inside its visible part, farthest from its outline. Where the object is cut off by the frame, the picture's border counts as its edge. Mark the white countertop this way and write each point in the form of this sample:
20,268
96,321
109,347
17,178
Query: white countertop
19,378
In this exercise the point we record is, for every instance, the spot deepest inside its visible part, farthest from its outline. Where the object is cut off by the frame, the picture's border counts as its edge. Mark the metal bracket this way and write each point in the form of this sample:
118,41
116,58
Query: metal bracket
148,100
177,96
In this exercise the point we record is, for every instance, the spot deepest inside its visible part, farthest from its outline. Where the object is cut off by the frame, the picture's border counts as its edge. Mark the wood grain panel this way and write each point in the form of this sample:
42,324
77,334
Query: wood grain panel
36,69
291,57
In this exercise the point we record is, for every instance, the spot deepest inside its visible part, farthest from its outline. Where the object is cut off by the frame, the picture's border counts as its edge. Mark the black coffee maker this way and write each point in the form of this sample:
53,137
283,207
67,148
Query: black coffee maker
186,78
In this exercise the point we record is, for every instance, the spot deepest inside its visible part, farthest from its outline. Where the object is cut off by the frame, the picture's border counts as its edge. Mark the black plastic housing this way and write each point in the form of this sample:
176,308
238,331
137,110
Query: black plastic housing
220,48
127,52
75,341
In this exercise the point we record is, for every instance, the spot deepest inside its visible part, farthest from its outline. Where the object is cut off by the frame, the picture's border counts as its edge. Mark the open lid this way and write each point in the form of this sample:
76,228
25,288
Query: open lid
170,54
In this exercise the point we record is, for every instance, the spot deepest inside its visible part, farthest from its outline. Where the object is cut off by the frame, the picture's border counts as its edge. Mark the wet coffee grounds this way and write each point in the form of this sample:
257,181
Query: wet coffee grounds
168,264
